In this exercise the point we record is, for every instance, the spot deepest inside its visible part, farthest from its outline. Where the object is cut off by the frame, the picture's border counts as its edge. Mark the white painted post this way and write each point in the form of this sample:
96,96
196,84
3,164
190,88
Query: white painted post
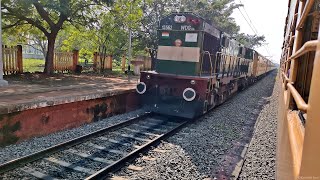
2,82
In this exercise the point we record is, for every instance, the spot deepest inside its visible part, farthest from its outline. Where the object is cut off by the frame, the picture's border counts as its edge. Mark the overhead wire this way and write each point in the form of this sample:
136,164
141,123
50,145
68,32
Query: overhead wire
245,11
252,27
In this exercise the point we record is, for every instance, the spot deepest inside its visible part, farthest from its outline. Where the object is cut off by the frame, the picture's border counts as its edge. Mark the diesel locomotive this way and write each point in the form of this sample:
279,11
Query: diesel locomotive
197,68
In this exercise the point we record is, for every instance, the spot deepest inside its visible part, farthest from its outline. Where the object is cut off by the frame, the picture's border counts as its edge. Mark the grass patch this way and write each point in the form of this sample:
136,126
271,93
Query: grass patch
37,65
33,65
82,61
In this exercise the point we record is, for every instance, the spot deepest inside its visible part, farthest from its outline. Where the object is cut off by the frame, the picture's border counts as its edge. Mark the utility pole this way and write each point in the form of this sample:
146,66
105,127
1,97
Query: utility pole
129,52
130,45
2,82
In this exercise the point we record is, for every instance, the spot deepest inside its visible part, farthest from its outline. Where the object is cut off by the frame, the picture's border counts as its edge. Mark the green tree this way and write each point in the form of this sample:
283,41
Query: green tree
219,12
49,16
153,11
108,34
251,41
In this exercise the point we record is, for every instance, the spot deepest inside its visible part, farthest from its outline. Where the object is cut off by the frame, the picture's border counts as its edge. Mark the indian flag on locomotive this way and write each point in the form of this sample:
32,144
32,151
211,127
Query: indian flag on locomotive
165,35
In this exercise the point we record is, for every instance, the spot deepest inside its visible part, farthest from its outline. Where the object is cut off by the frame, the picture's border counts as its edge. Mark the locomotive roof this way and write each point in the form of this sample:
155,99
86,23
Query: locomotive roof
193,14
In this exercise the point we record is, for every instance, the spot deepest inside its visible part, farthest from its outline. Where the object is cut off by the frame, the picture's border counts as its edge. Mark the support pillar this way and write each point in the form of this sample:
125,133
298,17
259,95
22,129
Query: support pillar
75,60
2,81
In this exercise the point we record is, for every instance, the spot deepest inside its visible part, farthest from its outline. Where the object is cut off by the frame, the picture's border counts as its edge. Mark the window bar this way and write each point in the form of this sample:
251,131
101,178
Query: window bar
307,47
302,105
304,15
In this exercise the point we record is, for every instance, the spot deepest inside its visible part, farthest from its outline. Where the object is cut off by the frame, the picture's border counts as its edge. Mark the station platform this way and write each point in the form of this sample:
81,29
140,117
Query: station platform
36,104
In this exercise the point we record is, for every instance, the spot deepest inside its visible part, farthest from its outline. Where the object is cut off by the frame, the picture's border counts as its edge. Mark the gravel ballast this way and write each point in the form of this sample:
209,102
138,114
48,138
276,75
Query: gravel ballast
260,160
39,143
213,145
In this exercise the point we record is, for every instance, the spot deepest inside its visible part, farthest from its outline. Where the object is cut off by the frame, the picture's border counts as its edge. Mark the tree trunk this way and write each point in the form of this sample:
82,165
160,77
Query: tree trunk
50,53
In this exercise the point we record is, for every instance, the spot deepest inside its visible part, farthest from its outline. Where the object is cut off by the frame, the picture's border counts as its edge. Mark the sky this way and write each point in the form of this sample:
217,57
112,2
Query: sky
268,18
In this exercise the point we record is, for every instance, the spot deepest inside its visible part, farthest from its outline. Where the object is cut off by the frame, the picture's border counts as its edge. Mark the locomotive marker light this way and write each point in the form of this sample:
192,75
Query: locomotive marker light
194,21
180,19
141,88
148,77
193,82
189,94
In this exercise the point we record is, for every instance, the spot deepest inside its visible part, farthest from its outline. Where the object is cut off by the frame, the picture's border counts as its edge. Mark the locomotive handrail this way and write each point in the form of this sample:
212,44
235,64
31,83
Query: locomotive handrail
232,62
302,105
305,13
220,65
201,65
307,47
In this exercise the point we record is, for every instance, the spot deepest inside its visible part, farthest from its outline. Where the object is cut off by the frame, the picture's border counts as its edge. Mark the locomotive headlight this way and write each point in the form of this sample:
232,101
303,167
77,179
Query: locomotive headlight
141,88
148,77
189,94
180,19
193,82
178,42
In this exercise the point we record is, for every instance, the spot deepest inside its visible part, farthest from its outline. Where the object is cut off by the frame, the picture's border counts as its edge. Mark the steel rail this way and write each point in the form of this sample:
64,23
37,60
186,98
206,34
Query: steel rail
103,173
10,165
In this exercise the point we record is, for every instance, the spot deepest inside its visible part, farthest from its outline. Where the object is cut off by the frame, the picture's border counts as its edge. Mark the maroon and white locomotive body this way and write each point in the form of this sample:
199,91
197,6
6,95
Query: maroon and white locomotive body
183,96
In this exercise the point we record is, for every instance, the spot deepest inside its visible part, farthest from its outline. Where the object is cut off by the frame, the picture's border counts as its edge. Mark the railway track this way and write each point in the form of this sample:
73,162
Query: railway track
95,155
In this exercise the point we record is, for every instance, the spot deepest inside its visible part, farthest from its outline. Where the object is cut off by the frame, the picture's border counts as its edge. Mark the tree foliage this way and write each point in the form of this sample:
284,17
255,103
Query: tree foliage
251,41
48,16
103,25
218,12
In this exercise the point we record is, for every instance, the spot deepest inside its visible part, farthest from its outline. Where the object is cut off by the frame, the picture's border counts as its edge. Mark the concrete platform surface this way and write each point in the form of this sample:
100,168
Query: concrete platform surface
31,91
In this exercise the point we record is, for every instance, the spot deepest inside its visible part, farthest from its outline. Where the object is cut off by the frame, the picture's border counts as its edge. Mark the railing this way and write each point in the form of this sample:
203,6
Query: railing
222,57
100,60
210,60
12,60
307,47
305,13
227,64
147,63
297,146
65,61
